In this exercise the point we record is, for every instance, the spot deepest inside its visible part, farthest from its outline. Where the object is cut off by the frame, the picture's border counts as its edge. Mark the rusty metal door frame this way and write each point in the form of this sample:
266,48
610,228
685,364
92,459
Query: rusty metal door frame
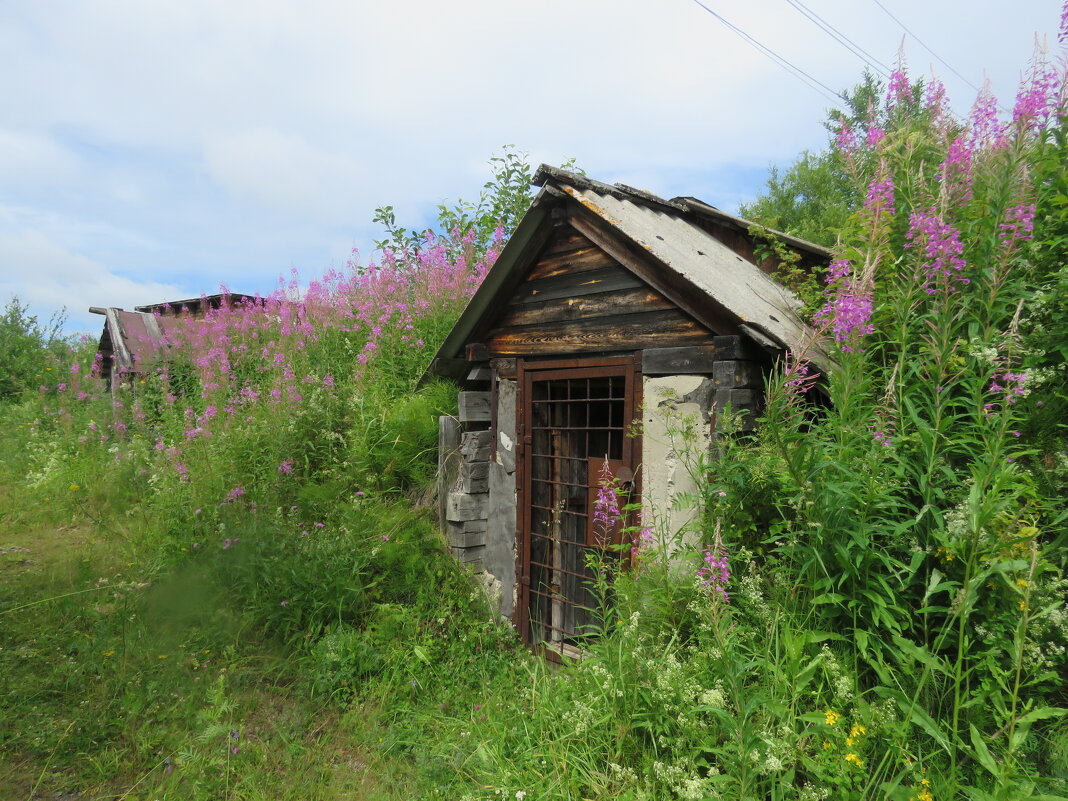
528,374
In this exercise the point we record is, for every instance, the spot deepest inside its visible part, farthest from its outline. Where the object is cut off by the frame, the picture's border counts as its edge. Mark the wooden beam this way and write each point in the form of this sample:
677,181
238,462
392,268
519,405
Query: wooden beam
474,407
605,304
693,360
605,279
600,334
671,284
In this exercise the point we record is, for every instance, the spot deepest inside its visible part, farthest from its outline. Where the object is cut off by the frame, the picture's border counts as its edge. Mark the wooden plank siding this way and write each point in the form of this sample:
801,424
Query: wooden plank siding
576,298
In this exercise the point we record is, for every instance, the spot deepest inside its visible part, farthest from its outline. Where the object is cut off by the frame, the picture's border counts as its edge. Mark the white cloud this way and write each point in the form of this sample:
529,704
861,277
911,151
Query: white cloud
47,276
284,172
236,138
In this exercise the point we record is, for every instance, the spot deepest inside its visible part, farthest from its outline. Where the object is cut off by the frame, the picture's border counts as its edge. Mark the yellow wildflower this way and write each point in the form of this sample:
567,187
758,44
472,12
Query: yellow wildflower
1021,583
853,759
73,487
826,744
831,717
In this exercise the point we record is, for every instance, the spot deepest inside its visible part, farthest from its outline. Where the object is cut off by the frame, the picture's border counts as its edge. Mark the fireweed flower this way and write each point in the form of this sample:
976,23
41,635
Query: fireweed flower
880,199
848,308
940,249
1036,99
1019,225
987,129
606,512
798,375
955,173
874,136
898,90
846,141
715,571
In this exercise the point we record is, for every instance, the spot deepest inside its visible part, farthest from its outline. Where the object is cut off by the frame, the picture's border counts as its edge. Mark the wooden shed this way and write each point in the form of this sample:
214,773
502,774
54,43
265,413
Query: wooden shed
131,341
609,313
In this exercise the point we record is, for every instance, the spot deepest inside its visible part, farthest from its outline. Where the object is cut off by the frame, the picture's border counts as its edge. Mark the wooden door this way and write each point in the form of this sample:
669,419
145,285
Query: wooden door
573,417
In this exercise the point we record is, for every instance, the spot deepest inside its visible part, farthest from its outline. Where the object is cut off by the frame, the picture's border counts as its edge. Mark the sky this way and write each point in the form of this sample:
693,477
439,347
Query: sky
154,150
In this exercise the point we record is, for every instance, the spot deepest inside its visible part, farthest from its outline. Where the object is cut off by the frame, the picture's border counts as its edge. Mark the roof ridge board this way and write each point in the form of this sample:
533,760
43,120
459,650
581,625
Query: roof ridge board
698,207
620,191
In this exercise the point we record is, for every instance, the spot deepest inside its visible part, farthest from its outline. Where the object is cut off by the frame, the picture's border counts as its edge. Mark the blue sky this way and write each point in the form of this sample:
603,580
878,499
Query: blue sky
152,150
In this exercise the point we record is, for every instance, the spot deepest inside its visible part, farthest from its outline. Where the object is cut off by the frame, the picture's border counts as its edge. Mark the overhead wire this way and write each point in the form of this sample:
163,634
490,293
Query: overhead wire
841,38
941,60
797,72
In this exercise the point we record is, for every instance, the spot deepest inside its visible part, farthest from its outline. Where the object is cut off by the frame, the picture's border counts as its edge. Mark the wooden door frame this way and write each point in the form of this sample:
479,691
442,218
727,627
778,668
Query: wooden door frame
527,371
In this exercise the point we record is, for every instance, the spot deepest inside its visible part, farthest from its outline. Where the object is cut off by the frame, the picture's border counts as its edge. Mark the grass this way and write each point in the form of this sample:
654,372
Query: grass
118,684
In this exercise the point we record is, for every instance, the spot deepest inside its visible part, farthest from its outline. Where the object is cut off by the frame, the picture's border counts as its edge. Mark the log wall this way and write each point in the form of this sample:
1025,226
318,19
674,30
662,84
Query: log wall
577,299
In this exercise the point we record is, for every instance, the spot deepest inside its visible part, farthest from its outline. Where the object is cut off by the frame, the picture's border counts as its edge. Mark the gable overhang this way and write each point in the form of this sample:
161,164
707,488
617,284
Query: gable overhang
652,238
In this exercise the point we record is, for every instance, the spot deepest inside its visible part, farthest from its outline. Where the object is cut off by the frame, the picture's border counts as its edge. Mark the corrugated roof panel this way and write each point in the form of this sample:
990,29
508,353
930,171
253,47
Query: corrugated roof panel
733,282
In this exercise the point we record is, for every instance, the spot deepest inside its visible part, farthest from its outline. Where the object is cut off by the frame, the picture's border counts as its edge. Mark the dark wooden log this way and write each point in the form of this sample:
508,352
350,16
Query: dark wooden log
474,477
479,375
617,333
462,506
449,460
476,352
737,374
694,360
737,347
470,557
605,279
626,301
476,446
506,368
569,262
459,536
474,407
671,284
566,239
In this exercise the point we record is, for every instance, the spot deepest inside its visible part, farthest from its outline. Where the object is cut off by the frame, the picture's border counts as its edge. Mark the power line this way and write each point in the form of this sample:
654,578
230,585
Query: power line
841,38
796,71
942,61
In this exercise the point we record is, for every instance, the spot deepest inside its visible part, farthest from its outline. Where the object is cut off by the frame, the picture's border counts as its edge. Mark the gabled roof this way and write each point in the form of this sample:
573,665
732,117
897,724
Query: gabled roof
670,241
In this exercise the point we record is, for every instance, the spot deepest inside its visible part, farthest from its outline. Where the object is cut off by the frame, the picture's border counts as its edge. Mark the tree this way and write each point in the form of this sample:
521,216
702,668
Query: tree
24,346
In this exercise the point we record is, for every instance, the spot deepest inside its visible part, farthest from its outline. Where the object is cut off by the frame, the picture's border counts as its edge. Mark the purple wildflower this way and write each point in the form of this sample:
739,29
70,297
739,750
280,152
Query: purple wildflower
955,172
874,136
1019,225
898,91
848,307
286,467
715,571
940,250
880,198
606,514
798,374
846,141
987,129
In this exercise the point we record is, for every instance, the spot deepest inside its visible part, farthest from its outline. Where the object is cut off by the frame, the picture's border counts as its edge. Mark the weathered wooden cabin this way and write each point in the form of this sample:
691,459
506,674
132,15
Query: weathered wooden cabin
610,313
131,341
